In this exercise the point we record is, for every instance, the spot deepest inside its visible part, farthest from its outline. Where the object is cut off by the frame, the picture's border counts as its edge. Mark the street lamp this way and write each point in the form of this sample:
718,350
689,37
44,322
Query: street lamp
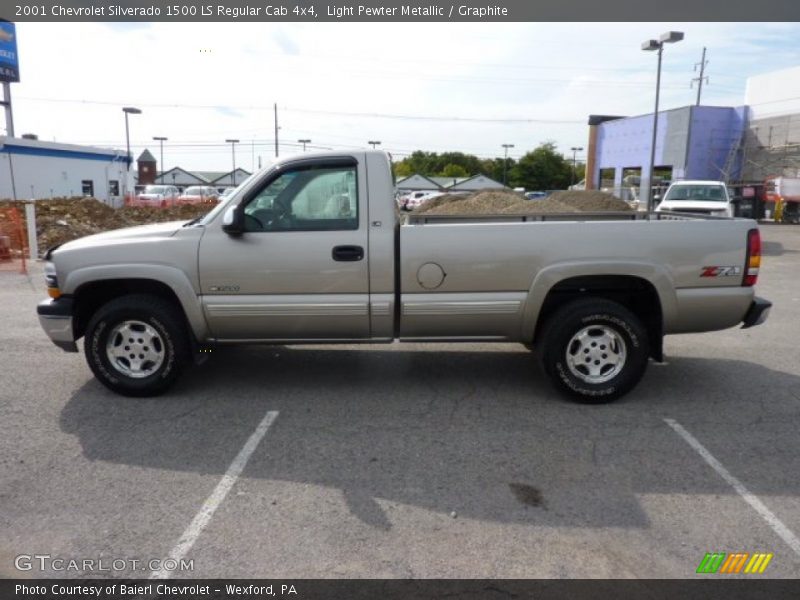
161,140
304,142
129,110
575,150
670,37
374,143
505,161
233,156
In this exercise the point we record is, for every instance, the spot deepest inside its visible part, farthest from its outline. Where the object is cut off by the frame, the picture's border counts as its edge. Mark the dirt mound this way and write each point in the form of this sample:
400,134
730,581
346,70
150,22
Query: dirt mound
64,219
440,200
589,200
495,202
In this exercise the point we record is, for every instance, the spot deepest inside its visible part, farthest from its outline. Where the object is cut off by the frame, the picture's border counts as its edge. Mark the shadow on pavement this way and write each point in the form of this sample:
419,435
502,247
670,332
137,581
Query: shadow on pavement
480,433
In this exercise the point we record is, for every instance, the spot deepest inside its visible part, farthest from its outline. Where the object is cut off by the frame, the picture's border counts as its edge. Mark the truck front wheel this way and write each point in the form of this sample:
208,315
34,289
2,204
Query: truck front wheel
136,345
594,350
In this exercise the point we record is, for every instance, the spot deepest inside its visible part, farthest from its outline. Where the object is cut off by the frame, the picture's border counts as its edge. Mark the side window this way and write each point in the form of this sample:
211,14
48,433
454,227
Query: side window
316,199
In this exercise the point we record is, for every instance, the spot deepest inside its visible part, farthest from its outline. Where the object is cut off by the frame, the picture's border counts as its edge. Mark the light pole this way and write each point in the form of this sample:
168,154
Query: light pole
575,150
233,156
670,37
505,161
161,141
304,142
374,143
129,110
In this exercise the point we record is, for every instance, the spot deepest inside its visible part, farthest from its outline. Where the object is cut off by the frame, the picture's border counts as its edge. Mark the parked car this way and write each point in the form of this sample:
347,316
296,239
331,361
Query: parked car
197,194
226,193
535,195
697,197
414,200
158,195
275,265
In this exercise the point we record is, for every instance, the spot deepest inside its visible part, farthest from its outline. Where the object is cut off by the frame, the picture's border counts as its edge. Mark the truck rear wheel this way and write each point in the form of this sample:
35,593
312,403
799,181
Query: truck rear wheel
137,345
593,350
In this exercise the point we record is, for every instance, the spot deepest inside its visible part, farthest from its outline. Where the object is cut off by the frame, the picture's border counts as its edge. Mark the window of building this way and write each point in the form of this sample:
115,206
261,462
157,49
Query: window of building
113,188
87,187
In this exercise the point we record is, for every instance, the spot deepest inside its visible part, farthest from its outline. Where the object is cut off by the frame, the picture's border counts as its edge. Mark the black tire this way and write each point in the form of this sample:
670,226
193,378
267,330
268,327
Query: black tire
158,322
593,328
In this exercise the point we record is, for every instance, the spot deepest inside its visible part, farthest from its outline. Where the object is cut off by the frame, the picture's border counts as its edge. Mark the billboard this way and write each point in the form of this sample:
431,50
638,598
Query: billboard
9,63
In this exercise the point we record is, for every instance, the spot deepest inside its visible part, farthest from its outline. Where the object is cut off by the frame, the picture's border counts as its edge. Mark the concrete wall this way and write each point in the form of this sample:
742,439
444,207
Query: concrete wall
772,147
774,94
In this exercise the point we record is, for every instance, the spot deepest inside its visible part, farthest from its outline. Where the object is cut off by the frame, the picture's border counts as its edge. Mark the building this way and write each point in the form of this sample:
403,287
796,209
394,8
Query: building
181,178
747,143
692,142
771,145
421,183
33,169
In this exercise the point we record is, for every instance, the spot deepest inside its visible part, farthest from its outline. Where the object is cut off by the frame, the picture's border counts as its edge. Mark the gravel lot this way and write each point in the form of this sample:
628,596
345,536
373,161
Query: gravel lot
446,461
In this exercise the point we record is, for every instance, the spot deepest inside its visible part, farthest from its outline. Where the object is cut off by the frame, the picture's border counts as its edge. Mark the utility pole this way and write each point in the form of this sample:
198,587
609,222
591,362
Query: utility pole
702,64
276,129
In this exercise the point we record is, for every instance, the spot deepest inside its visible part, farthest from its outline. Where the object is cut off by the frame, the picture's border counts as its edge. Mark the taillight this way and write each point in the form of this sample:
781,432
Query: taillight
753,258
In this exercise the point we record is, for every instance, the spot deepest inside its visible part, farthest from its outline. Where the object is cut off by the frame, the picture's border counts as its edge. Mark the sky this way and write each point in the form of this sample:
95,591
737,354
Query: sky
468,87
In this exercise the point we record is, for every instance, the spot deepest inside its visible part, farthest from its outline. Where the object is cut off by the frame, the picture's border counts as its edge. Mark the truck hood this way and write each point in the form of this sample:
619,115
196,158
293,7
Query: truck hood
154,231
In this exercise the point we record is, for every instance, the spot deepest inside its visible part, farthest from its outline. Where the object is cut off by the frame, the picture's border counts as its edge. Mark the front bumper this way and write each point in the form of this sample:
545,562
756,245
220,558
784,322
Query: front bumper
757,313
55,317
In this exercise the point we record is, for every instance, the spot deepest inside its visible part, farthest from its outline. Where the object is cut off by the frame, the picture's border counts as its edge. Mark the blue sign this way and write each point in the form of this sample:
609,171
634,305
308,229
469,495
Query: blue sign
9,62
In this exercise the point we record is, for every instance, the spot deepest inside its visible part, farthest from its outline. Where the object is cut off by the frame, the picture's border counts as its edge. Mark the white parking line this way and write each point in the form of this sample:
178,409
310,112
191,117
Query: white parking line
211,504
777,525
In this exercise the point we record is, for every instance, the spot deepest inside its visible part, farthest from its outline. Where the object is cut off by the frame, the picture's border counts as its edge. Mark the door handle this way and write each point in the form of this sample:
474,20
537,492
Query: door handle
347,253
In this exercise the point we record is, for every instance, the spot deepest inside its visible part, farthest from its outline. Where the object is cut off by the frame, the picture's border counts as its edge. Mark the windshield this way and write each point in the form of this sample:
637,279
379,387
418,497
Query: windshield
195,191
219,207
155,189
702,193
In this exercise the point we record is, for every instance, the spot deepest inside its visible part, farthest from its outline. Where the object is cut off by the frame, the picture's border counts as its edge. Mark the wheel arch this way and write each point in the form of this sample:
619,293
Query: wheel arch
642,289
91,291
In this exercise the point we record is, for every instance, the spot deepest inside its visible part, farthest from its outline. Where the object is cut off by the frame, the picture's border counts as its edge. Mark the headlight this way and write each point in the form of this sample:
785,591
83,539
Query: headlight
51,279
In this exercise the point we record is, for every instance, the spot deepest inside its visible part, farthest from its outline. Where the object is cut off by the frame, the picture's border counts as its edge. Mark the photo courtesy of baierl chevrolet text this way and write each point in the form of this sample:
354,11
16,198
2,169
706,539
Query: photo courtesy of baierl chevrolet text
385,300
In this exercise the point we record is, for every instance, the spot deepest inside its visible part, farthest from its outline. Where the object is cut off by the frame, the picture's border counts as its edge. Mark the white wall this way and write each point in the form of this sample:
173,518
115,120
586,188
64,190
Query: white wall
46,176
774,94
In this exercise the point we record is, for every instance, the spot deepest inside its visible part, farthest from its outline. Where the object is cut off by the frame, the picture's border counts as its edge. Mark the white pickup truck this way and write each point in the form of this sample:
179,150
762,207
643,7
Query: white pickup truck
698,197
312,249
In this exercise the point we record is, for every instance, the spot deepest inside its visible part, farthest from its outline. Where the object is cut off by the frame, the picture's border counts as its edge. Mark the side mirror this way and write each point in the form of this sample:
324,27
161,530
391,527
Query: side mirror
657,197
233,221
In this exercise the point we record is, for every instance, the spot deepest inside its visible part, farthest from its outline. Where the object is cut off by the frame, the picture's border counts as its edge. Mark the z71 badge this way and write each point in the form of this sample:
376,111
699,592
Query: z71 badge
720,271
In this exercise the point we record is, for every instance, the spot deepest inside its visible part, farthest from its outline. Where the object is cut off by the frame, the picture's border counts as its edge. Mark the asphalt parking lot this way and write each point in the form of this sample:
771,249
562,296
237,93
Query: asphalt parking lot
427,461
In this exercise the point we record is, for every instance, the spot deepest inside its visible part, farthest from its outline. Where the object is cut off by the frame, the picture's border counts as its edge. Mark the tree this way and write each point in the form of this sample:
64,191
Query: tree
541,169
454,170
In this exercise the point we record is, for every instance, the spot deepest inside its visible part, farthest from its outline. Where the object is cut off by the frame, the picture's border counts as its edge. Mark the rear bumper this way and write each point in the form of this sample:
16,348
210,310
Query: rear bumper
757,313
55,317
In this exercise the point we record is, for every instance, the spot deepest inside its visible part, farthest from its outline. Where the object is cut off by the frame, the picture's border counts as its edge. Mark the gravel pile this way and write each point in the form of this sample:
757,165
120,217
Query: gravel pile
495,202
63,219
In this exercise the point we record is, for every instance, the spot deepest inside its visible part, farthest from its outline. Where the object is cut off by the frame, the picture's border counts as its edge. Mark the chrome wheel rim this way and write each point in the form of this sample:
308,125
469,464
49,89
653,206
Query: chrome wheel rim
596,354
135,349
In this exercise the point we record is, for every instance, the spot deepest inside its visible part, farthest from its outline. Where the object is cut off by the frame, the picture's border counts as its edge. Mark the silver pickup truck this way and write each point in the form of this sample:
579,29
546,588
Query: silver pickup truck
312,250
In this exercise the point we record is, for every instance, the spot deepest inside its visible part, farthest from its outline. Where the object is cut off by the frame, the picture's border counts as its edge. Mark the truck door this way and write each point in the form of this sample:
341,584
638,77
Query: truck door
300,269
